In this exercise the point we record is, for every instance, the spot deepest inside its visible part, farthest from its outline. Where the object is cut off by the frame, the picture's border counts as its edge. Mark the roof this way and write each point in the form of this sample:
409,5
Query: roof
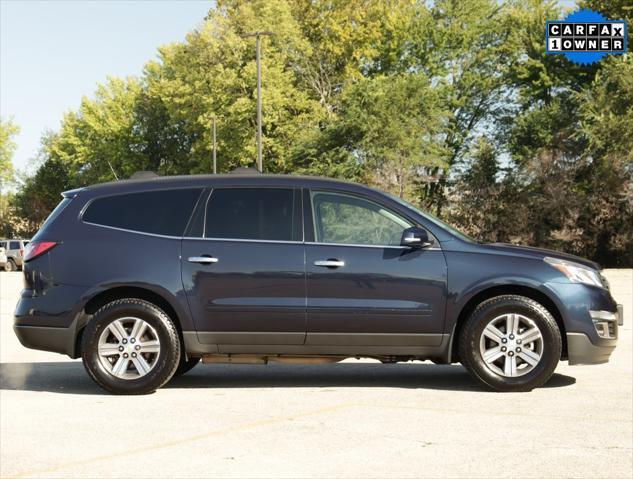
224,179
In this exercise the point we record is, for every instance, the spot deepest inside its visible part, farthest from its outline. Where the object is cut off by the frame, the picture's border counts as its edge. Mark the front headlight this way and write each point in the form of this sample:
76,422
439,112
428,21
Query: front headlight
576,273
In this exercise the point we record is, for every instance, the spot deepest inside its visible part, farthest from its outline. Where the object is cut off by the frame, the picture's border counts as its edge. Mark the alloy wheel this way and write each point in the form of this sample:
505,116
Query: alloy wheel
511,345
128,348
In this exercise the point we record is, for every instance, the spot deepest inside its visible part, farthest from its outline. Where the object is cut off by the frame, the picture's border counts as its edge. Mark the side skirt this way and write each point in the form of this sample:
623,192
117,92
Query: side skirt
427,346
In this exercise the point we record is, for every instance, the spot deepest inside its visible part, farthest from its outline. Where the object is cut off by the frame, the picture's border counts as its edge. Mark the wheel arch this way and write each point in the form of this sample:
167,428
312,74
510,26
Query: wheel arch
499,290
114,293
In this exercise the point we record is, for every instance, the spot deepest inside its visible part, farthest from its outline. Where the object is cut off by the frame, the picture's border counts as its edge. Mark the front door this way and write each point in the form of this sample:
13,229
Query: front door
363,288
245,276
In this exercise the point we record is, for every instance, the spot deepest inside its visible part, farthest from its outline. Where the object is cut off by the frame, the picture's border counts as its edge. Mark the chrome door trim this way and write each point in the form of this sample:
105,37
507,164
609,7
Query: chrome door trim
202,259
329,263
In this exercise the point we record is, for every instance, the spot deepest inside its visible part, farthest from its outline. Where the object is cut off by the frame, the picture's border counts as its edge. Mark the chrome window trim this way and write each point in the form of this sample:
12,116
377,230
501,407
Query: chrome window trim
316,243
311,243
242,240
204,219
131,231
299,191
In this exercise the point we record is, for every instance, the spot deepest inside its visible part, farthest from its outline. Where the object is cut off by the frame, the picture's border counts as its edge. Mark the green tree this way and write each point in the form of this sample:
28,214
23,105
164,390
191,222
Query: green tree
100,141
399,119
214,73
452,104
8,131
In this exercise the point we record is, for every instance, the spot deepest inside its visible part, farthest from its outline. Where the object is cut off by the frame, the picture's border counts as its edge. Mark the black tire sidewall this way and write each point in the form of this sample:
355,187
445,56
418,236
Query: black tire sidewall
168,358
551,343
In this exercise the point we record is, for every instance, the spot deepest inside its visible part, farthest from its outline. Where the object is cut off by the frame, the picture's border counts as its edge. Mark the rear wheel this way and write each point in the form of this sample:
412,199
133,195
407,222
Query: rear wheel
130,346
10,266
510,343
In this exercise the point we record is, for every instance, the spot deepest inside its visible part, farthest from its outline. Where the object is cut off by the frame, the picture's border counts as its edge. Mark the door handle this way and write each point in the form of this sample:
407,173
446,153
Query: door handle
203,259
329,263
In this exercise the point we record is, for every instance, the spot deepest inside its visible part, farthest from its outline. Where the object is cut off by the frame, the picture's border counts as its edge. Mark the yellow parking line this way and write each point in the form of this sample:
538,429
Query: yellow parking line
198,437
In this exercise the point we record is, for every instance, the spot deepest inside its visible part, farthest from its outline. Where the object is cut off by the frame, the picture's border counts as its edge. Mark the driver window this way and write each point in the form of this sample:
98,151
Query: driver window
347,219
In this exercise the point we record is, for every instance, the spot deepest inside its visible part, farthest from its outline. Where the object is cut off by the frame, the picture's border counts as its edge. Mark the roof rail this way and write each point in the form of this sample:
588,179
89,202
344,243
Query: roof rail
242,170
144,175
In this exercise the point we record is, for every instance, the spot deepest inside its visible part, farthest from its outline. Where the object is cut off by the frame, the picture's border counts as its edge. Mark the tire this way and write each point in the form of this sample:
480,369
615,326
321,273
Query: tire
186,365
10,266
112,331
501,360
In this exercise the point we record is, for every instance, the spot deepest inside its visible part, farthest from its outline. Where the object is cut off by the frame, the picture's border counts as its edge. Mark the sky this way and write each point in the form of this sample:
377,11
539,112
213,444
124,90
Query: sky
54,52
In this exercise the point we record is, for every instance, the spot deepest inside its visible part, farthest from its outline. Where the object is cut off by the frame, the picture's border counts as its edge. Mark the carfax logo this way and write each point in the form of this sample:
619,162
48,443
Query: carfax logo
586,36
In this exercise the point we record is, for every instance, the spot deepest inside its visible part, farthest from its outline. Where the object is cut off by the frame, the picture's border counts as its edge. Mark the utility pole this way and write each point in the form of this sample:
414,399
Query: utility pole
258,36
215,164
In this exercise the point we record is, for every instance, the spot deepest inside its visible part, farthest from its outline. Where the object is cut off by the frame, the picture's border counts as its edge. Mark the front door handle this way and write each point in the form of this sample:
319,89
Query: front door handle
203,259
329,263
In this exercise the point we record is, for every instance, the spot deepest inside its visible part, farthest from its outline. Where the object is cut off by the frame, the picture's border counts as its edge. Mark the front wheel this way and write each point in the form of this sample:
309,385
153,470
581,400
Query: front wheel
510,343
130,346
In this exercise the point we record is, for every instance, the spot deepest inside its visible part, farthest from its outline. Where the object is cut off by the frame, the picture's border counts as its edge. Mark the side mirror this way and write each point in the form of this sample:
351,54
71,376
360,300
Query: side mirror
415,237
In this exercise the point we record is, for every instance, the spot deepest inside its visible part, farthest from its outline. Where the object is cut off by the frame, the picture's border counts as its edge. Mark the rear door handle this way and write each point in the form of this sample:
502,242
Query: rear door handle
203,259
329,263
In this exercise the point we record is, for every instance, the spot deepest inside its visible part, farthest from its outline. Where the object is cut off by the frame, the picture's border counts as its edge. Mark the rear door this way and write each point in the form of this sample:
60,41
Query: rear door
243,268
363,288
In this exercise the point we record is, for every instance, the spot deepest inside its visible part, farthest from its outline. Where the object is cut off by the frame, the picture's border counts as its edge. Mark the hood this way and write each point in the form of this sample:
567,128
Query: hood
538,253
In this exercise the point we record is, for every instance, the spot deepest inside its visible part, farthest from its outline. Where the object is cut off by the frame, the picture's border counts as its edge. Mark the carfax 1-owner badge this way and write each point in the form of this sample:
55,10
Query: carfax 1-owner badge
586,36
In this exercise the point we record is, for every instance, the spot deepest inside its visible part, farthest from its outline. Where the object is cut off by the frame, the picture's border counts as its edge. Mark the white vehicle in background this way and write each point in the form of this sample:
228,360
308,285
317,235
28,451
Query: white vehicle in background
14,251
3,258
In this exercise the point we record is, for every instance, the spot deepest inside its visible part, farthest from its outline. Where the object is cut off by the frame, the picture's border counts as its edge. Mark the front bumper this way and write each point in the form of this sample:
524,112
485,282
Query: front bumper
591,318
581,350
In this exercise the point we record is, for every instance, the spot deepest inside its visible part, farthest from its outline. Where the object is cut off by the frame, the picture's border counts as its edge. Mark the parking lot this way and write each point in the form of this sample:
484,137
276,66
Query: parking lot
354,419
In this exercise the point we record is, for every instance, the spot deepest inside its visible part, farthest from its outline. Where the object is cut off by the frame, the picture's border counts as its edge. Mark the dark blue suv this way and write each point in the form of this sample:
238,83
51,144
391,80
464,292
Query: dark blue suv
143,278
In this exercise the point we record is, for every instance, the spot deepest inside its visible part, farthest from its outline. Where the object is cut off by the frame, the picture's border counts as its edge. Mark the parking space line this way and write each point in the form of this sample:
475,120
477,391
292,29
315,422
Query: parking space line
177,442
252,425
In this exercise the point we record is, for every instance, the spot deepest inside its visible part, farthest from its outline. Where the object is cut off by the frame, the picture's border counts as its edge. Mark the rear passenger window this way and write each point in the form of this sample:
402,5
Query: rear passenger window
164,212
14,245
250,213
56,212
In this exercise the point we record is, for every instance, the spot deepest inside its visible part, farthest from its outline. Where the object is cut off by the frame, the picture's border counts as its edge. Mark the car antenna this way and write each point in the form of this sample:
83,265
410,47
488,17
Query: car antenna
113,172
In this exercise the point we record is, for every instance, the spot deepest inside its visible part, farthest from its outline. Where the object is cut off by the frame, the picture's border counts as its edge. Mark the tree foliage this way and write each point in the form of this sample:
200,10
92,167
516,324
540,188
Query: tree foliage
453,105
8,131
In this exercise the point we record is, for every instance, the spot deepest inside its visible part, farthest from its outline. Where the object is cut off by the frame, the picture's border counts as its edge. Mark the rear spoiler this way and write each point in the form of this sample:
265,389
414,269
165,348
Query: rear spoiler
72,193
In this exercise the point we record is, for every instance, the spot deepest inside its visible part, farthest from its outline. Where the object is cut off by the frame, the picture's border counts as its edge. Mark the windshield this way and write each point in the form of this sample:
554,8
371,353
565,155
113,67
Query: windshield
433,219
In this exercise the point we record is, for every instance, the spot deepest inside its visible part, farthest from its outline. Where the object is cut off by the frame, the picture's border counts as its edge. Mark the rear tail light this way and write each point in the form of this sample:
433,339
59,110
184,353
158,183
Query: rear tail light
37,248
21,252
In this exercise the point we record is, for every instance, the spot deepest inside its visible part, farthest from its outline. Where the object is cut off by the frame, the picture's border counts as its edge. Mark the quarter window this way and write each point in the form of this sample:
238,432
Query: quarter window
347,219
250,213
163,212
